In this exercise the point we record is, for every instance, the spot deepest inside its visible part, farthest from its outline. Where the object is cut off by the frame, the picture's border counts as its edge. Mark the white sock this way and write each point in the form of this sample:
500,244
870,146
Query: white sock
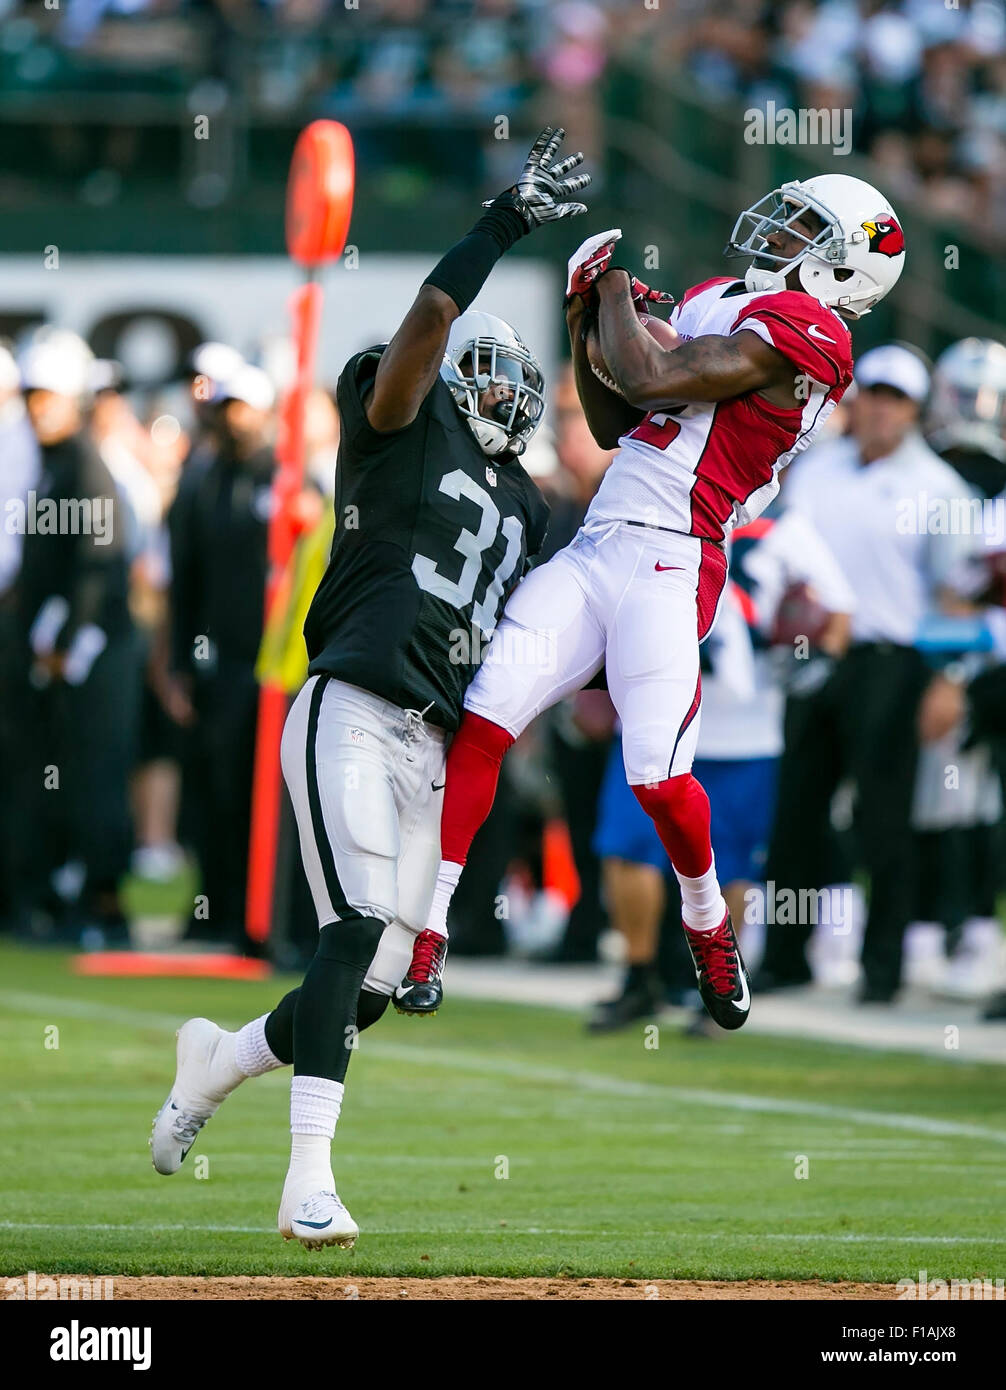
702,905
310,1166
315,1102
252,1054
448,876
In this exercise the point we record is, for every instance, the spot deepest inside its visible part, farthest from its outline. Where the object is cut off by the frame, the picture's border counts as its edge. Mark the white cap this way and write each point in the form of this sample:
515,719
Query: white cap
893,365
248,384
216,360
54,359
105,375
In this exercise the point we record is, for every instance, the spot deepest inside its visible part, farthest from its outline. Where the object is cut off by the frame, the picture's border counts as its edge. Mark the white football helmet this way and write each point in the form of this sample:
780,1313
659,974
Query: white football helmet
482,349
968,403
852,262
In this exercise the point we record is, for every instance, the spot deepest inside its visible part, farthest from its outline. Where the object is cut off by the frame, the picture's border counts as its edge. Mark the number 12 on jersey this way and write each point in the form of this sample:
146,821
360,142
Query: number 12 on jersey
657,430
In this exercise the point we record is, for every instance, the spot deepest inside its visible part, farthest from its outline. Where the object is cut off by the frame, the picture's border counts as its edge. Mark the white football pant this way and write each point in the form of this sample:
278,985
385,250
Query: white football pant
636,599
366,781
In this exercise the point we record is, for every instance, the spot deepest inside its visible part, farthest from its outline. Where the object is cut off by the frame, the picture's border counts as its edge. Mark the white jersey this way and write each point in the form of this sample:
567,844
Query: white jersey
742,700
703,469
877,519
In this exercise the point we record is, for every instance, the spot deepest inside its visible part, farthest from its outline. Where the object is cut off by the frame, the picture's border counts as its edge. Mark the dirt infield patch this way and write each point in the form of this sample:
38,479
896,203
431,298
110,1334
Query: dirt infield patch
477,1287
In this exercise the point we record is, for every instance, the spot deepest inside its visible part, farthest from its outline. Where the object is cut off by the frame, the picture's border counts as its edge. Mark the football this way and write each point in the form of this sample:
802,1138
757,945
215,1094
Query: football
658,329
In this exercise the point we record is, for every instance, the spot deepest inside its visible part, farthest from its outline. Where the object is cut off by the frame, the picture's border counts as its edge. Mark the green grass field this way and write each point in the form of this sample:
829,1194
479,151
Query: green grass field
674,1162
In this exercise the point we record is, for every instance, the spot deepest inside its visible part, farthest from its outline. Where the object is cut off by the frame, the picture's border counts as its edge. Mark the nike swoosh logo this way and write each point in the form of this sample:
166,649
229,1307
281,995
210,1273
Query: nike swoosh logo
660,568
744,1002
316,1225
434,787
815,332
400,993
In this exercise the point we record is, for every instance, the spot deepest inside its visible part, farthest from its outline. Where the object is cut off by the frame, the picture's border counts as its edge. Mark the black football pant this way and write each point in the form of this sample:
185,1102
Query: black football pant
860,725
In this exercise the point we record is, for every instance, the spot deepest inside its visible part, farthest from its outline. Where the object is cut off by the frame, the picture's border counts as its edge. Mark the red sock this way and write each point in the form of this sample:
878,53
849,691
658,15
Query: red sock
473,769
679,808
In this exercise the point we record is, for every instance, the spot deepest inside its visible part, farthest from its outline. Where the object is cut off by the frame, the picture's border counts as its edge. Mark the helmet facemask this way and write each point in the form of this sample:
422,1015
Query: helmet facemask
471,367
779,211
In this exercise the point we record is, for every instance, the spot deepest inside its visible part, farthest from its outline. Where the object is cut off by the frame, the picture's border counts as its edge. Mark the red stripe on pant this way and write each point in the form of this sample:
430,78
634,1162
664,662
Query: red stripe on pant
693,710
712,578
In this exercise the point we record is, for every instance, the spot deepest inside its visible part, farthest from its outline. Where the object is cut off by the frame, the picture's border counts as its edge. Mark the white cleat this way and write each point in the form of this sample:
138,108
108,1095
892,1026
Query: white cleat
205,1076
318,1220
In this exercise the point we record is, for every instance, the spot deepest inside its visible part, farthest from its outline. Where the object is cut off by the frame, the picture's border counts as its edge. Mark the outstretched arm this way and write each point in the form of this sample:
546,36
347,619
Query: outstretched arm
608,415
411,361
710,368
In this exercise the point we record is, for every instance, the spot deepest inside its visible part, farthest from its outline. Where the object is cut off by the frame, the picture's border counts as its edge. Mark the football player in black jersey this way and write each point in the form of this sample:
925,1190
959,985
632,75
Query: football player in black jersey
436,521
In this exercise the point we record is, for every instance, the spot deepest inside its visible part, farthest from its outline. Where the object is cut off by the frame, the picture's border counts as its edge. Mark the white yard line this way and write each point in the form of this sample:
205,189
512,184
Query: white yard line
52,1007
727,1100
44,1005
846,1238
916,1025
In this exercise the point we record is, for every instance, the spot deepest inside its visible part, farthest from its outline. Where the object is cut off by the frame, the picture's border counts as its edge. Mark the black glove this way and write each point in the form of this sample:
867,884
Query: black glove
541,192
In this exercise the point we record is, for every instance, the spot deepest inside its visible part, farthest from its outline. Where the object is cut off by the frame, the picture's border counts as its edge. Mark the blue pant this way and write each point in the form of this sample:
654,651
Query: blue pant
741,795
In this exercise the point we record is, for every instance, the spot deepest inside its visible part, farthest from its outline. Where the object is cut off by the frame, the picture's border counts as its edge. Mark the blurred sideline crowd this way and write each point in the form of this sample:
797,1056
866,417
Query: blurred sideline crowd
925,80
853,738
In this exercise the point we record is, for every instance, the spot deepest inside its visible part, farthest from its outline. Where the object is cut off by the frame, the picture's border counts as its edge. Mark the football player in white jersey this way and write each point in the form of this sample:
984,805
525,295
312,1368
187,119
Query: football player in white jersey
702,431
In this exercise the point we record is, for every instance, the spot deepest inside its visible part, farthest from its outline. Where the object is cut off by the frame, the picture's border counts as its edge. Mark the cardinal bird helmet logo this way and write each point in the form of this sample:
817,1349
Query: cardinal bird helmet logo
885,236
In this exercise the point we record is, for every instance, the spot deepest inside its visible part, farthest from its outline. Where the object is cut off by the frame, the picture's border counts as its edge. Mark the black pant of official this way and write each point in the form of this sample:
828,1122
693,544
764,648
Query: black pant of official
78,749
860,725
100,720
218,776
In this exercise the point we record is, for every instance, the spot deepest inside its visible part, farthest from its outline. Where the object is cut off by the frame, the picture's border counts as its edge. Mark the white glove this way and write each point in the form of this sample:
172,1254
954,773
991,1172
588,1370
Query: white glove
589,259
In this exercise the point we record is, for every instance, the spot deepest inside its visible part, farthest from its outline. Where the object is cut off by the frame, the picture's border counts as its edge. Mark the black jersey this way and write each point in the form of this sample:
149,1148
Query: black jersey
431,537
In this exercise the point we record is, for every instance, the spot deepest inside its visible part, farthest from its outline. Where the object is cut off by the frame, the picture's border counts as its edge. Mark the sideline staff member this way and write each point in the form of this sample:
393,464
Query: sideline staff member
865,494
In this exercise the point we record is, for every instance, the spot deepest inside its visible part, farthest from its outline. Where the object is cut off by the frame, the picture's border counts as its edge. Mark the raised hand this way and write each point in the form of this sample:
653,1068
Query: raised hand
542,192
590,260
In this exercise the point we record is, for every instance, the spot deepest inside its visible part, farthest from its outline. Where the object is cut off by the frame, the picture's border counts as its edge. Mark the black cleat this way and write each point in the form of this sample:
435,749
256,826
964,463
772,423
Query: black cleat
422,990
720,971
638,1001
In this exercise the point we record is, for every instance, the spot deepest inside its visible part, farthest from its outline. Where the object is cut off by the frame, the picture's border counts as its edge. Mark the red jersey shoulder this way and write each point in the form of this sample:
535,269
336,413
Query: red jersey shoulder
808,332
